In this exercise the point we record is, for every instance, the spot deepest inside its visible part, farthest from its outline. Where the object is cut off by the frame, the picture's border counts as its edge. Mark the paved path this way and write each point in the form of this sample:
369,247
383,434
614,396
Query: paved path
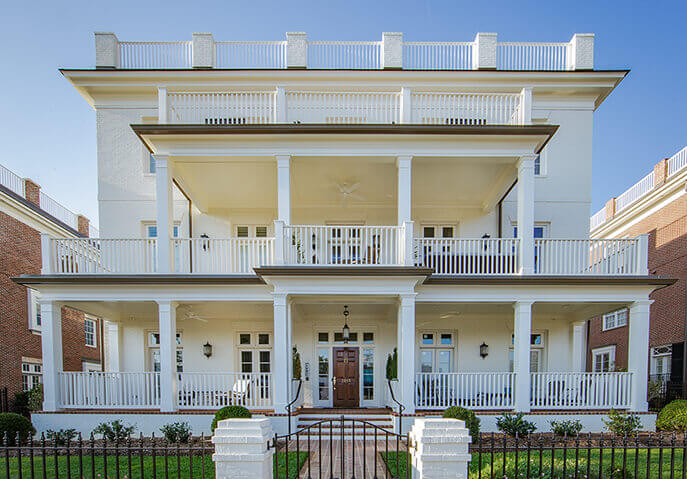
325,456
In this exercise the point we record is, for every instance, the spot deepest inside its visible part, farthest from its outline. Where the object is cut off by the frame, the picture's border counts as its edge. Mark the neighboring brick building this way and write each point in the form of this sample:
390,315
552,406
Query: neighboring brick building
26,213
656,206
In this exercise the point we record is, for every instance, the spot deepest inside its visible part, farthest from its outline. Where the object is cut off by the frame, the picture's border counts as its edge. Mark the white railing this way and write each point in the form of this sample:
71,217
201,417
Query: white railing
431,108
638,190
98,255
342,107
136,55
343,245
222,256
587,256
344,55
455,256
221,108
11,181
597,219
86,390
531,56
677,162
53,208
437,55
468,390
215,390
250,54
581,390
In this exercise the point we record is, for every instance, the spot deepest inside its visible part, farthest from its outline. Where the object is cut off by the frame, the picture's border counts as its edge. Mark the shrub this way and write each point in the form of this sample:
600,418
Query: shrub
566,428
20,405
622,424
230,412
36,398
114,431
673,417
60,438
471,421
515,424
12,424
176,432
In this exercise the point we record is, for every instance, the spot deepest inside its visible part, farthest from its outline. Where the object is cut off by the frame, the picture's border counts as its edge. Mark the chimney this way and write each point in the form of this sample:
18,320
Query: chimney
610,209
83,223
32,192
660,172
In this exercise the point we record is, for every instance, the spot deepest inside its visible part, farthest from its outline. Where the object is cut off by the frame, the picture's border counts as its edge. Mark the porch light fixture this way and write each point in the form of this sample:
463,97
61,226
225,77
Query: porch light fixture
483,350
346,329
207,350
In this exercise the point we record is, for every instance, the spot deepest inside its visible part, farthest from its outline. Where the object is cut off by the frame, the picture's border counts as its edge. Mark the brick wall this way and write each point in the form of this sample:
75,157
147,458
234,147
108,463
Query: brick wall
20,246
667,231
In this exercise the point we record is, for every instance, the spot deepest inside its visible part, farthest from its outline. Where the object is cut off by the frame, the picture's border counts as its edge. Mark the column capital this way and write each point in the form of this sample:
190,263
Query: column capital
522,304
280,299
161,160
642,304
407,299
283,161
404,161
526,161
166,304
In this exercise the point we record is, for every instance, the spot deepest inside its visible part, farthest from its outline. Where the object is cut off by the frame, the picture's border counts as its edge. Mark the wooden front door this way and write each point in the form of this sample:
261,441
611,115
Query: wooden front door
346,389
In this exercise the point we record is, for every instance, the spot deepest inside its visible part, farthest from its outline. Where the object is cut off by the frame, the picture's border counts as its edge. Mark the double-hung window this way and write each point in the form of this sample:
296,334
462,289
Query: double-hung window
31,373
616,319
255,352
437,352
90,331
603,359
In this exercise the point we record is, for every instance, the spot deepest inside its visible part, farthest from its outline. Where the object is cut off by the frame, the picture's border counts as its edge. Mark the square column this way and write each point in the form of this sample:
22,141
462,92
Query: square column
284,188
405,338
526,213
51,339
114,346
403,163
164,175
521,354
579,346
282,353
167,312
638,354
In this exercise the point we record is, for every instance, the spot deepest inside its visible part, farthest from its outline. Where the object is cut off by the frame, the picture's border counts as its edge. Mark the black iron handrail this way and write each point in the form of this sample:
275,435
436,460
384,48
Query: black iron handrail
289,405
401,407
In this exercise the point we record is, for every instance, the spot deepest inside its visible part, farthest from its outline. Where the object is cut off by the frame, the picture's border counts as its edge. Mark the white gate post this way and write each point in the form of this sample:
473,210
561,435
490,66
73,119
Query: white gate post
241,449
441,449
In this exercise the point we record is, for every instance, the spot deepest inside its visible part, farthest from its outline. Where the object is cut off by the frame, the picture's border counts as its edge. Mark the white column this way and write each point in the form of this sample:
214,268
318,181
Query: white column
638,353
526,213
114,345
403,164
406,352
521,354
167,312
526,106
408,256
162,109
279,242
643,254
164,175
51,339
406,105
284,188
280,105
579,346
282,353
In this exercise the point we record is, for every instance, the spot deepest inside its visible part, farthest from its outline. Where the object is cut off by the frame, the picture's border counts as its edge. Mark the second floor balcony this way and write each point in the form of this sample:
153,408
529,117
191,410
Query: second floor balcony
339,246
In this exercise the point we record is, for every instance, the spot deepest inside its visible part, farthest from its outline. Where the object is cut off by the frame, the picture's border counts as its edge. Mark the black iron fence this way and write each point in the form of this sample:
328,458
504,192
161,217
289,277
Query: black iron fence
133,457
661,390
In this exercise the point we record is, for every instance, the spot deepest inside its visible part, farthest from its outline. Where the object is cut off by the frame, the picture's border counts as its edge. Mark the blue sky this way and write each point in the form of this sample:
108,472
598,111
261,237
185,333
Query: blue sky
48,131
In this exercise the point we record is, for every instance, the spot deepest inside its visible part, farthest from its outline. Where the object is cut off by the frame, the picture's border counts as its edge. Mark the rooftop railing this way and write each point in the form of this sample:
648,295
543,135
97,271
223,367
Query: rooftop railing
392,52
55,209
11,181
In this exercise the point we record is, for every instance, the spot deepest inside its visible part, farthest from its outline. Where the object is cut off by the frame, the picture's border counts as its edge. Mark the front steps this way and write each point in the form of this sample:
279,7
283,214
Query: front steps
376,419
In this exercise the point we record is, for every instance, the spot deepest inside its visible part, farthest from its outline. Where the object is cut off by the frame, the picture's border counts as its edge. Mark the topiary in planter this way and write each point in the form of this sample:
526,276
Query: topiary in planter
12,424
471,420
230,412
673,417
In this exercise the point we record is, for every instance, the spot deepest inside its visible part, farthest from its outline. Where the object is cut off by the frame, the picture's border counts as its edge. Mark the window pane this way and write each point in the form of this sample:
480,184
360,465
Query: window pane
427,338
446,339
151,231
368,337
537,165
536,339
428,232
426,360
154,339
368,374
444,361
151,164
322,337
338,337
323,374
353,337
265,361
242,231
447,232
244,338
261,231
246,361
263,338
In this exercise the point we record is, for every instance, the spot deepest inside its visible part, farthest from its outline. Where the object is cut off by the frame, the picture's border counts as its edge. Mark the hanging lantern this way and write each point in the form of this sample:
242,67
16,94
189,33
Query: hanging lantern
346,329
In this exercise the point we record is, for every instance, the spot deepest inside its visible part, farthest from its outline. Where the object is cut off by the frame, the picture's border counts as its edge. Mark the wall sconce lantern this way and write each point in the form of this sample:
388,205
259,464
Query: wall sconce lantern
207,350
346,329
483,350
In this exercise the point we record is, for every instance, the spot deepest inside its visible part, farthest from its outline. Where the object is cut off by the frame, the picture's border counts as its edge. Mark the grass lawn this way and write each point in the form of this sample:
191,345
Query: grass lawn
71,469
559,472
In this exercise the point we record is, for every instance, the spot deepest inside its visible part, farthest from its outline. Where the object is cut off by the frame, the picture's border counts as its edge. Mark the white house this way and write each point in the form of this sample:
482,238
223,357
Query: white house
250,191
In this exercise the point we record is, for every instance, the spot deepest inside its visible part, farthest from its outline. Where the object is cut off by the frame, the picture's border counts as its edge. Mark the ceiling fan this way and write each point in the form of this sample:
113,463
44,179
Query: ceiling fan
192,315
450,314
348,190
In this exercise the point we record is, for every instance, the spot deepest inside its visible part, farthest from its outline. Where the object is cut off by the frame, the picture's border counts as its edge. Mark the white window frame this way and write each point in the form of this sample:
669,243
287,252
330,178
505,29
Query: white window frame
438,228
31,368
34,307
176,229
543,164
94,322
598,352
152,346
610,320
252,230
542,349
437,346
256,348
661,354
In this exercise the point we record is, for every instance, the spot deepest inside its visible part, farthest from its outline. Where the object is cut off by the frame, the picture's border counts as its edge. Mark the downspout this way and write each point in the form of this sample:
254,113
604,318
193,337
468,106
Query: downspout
500,208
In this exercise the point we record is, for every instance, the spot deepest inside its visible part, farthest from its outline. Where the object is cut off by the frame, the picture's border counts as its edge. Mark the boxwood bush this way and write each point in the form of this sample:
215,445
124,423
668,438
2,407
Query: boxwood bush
673,417
471,420
229,412
12,424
